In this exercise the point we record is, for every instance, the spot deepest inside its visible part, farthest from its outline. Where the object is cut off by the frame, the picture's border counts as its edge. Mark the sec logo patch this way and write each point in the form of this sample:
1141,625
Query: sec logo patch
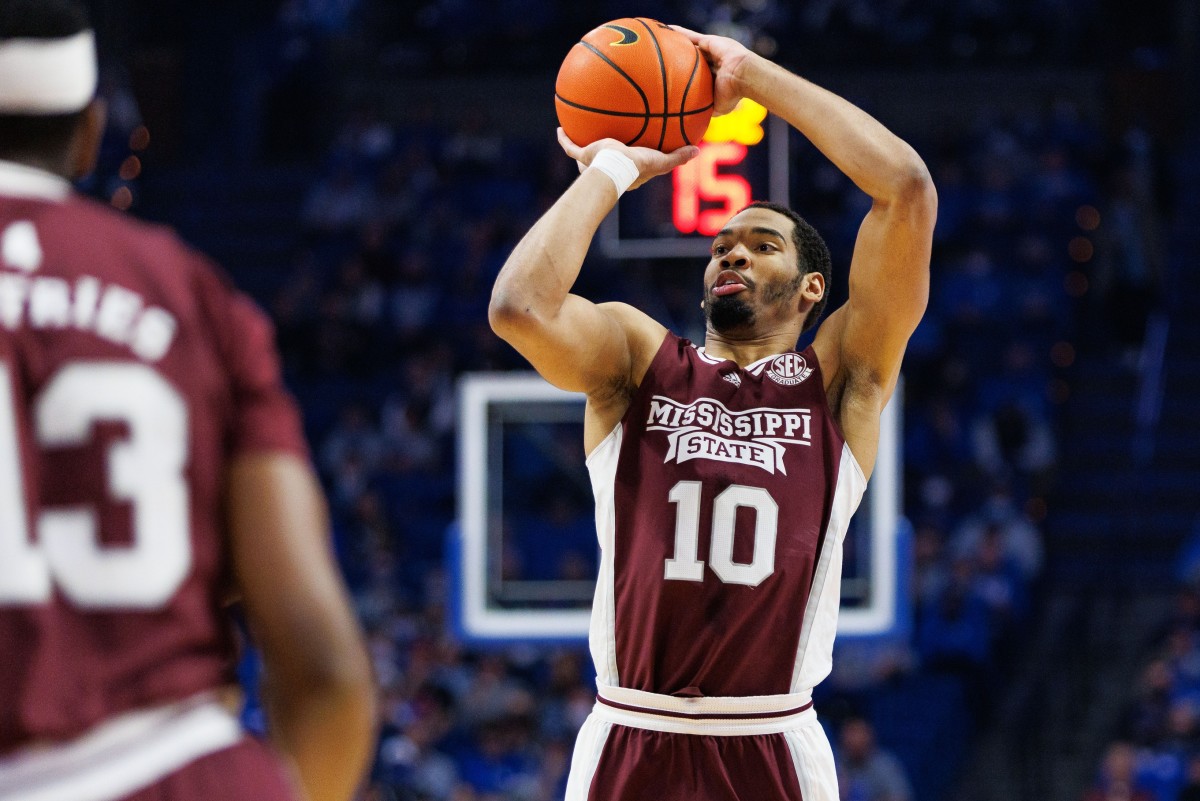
789,369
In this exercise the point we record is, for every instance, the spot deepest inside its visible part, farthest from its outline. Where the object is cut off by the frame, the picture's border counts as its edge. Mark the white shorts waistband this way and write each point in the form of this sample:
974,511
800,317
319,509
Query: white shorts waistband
121,755
727,715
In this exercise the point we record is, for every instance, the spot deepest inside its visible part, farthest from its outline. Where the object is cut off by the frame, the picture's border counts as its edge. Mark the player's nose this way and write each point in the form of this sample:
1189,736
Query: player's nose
738,256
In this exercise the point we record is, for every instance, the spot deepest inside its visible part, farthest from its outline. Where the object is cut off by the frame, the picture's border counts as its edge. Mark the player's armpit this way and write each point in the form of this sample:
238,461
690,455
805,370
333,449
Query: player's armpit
861,345
889,285
319,690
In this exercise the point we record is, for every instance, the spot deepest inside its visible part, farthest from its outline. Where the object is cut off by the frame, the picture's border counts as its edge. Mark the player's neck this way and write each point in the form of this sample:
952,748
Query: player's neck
747,350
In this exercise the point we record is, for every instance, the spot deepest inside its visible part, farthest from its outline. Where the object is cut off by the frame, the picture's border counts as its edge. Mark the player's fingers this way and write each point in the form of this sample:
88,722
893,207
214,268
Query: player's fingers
681,156
690,34
573,150
725,106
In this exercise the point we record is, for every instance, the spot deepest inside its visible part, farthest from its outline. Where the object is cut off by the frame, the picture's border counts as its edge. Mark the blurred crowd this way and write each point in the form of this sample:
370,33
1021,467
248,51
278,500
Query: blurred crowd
457,35
384,306
1156,756
405,230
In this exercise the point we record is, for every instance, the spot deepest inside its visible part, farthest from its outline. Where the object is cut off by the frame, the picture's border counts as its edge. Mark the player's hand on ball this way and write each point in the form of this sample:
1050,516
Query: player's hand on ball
726,57
650,163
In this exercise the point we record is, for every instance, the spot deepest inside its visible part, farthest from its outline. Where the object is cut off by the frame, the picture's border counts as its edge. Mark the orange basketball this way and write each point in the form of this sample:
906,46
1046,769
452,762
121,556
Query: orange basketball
638,81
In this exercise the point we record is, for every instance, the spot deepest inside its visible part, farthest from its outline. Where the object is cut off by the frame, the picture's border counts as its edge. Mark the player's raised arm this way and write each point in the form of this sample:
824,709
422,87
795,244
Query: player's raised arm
574,343
862,343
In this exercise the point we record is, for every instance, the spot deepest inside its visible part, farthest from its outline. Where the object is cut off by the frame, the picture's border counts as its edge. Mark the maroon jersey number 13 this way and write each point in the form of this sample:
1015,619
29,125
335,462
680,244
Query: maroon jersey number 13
147,471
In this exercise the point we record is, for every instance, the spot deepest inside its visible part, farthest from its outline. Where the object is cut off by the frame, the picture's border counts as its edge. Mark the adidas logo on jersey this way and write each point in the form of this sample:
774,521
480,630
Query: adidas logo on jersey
733,378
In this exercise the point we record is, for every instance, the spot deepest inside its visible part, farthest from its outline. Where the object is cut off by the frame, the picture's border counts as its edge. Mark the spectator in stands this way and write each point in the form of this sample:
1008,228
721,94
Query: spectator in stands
954,632
867,772
417,296
931,573
364,140
1130,253
1020,541
1118,779
1000,583
564,697
1013,437
1191,790
501,761
410,761
405,184
360,293
476,147
354,435
338,204
1147,721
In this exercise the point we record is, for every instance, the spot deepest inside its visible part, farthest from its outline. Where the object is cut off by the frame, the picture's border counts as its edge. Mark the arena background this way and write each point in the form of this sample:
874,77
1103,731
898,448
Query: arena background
363,167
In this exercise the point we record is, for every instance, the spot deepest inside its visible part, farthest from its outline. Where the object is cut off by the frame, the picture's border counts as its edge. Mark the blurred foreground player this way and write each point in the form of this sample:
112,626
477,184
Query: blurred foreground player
151,465
725,475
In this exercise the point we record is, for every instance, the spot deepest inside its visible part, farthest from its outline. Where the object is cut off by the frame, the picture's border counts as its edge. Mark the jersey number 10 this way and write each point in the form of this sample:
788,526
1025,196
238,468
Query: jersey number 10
685,566
146,471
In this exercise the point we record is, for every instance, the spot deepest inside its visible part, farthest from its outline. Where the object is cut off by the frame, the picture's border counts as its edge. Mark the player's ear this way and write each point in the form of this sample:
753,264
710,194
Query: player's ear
812,287
85,145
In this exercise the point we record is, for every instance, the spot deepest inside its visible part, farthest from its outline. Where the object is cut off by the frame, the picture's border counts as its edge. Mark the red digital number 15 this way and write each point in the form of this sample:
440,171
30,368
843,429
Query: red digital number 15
699,182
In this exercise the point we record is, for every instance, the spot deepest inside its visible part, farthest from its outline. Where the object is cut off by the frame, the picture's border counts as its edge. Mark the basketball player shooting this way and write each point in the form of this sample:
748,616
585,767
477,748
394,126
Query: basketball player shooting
725,475
151,466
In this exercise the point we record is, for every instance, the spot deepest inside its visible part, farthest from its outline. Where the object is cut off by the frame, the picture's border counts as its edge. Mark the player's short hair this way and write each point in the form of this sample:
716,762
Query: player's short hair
813,254
45,135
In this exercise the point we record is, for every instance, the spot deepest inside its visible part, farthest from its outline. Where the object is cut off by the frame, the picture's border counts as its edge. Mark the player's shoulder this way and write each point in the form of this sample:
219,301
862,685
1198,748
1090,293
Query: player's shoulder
643,333
630,315
91,214
642,330
146,246
155,259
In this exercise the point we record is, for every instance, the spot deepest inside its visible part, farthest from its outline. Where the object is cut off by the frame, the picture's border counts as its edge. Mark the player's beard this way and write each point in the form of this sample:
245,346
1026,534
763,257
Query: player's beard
729,313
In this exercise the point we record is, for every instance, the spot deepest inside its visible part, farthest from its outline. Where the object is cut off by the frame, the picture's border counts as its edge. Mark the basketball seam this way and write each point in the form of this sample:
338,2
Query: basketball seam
683,102
610,113
662,70
645,100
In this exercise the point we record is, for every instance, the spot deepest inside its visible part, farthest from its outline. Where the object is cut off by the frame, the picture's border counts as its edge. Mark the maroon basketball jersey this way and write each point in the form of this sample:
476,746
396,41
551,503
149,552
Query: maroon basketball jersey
721,502
130,374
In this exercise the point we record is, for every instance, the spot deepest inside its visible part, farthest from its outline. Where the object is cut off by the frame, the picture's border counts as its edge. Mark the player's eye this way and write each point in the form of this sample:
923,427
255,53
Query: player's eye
719,249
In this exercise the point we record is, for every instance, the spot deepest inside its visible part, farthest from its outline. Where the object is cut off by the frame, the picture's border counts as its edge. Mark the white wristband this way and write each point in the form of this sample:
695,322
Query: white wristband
617,166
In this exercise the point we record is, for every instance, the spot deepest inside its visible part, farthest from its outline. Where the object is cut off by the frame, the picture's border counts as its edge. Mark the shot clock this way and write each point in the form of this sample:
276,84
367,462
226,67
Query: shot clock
744,156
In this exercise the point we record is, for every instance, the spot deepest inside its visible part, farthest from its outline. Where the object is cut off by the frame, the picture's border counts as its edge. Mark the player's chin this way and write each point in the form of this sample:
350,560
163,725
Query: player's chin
728,314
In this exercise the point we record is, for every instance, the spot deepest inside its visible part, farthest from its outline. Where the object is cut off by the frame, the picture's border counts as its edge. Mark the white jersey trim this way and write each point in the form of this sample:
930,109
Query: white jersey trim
813,761
602,629
121,756
704,355
708,705
589,747
754,367
19,180
717,727
814,653
757,366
